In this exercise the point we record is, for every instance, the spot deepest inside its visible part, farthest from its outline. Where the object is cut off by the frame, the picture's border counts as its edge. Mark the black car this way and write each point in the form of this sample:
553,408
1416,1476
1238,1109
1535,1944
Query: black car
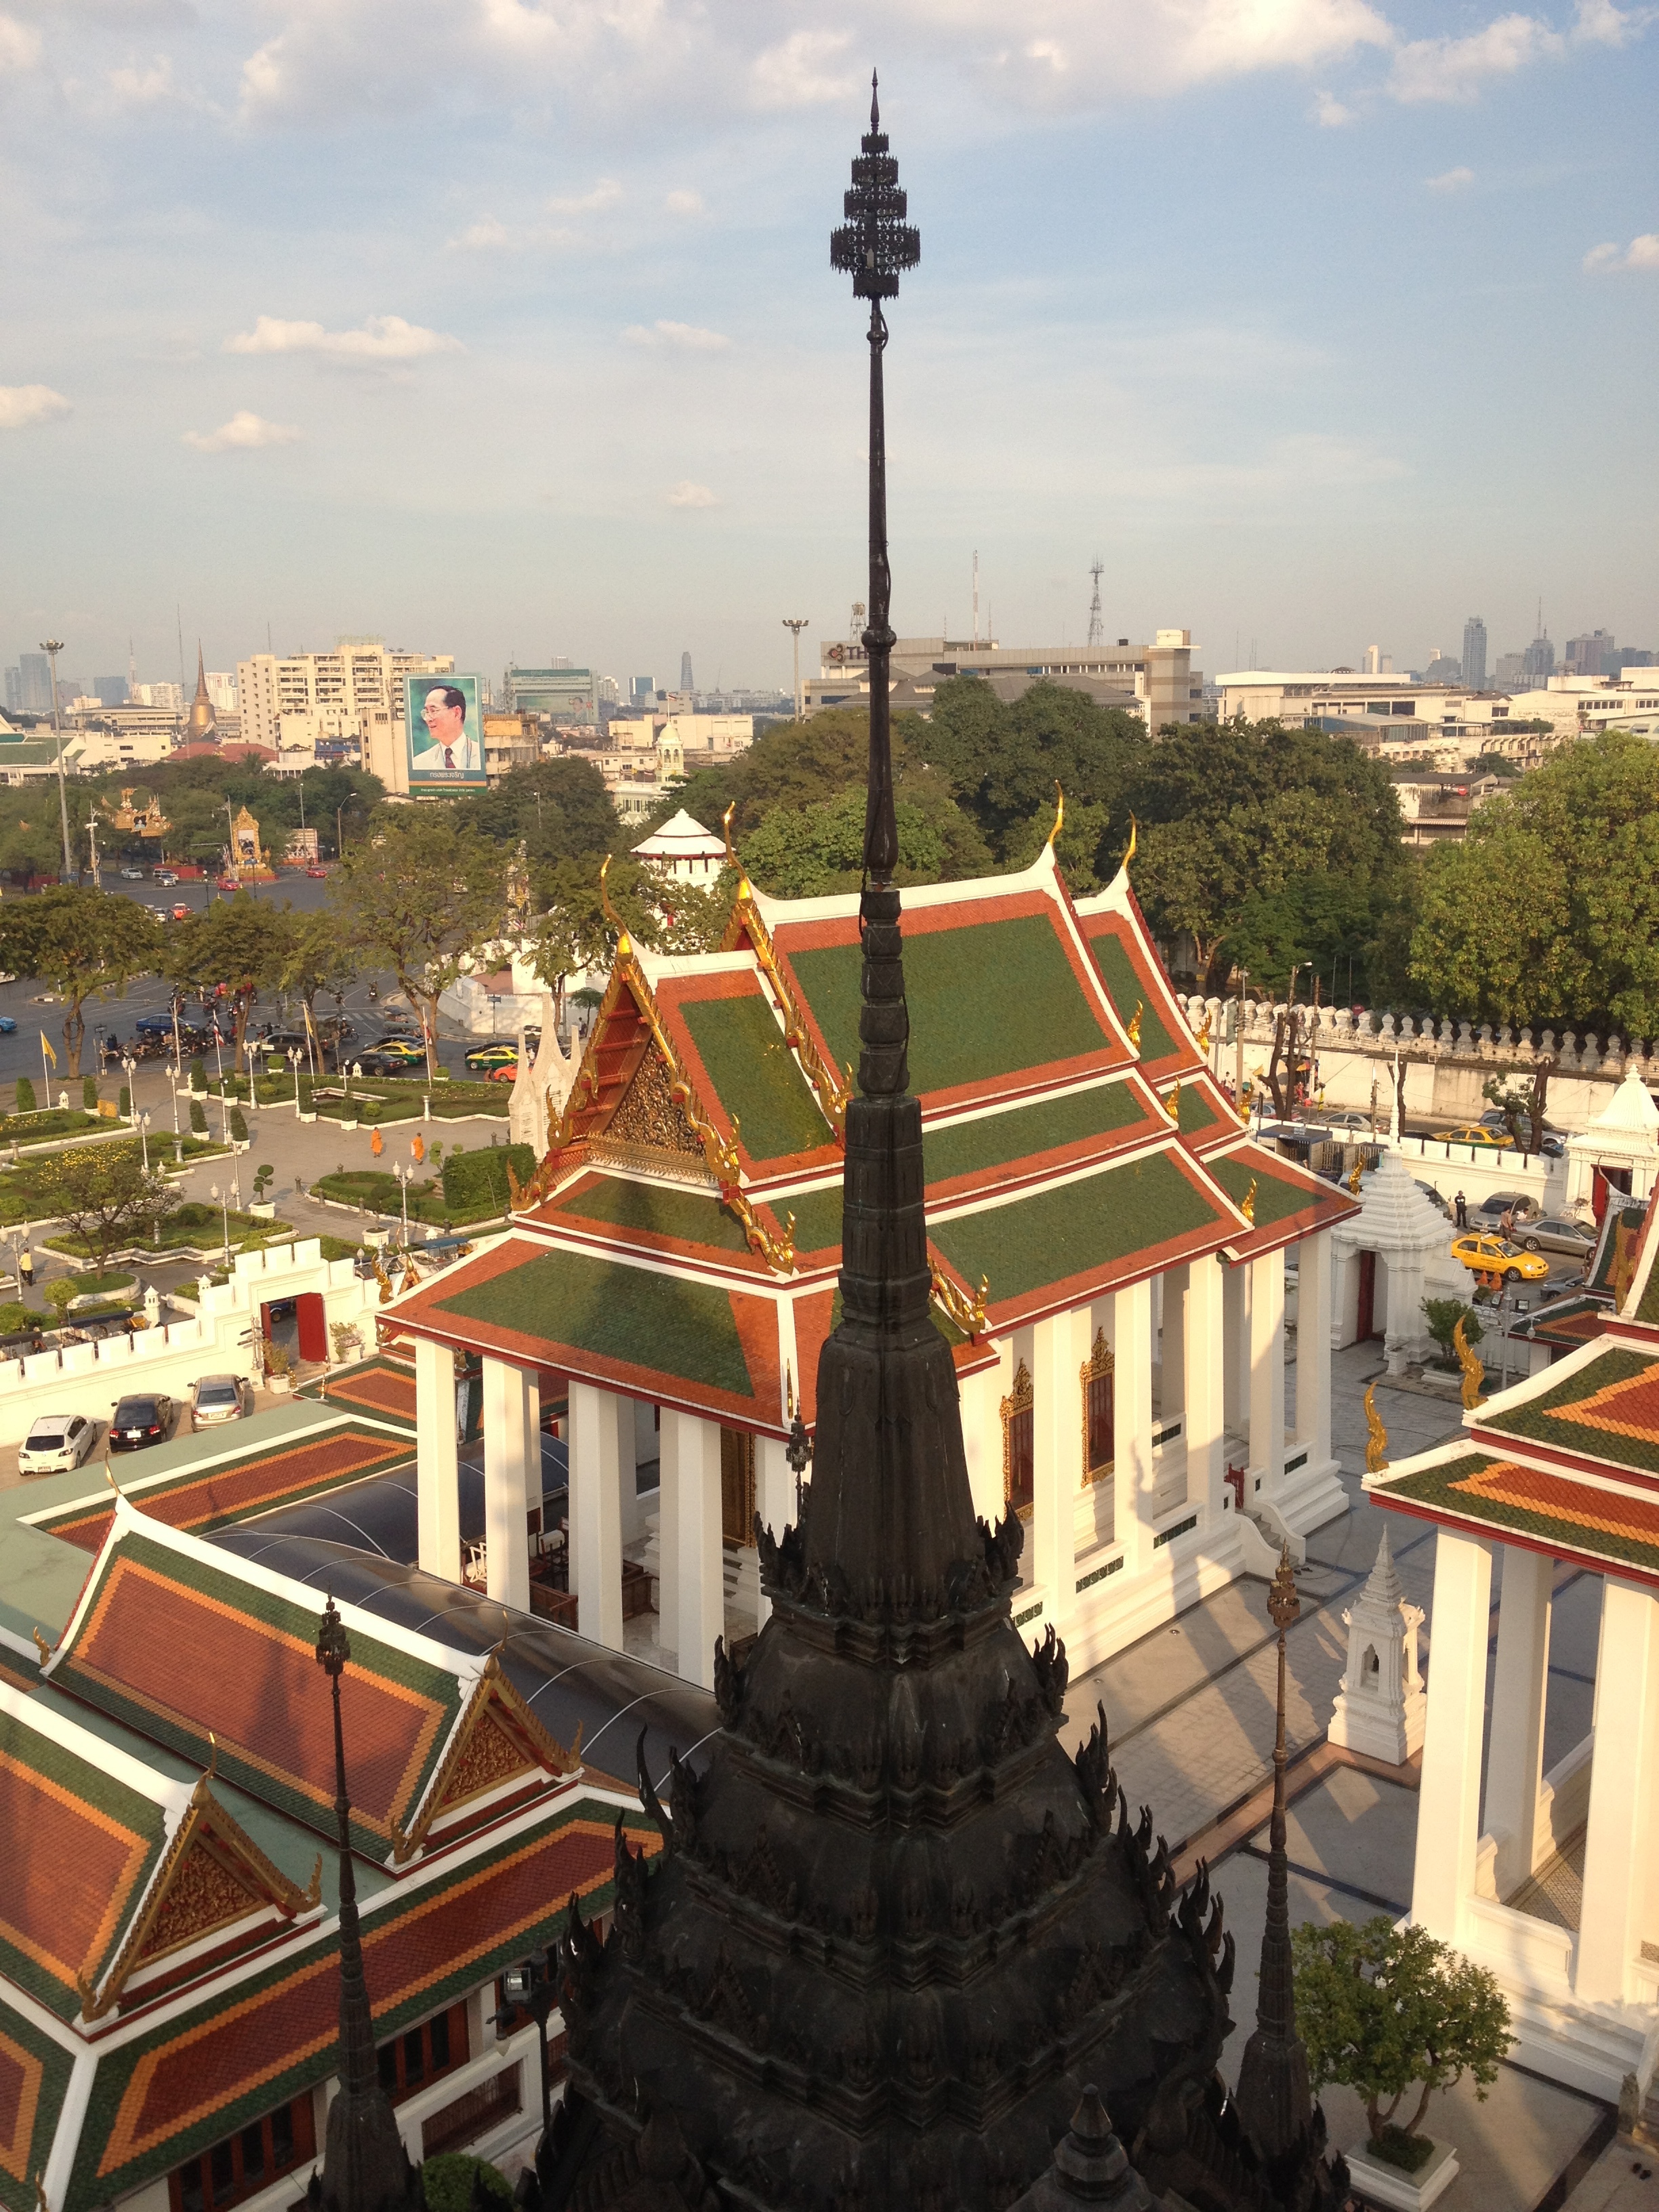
137,1422
385,1063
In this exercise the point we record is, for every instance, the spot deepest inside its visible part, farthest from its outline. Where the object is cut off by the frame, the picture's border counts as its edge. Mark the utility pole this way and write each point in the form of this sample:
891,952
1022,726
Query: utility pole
51,646
795,624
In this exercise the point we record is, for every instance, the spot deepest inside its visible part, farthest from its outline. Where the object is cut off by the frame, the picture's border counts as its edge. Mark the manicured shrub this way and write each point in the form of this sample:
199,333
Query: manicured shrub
473,1180
24,1095
448,2182
197,1118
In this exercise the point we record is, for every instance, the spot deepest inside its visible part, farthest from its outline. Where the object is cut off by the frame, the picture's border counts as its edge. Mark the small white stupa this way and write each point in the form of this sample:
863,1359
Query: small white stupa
1380,1703
541,1084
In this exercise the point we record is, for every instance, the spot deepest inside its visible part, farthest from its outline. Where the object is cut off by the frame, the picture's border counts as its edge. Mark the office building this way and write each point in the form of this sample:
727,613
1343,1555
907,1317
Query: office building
1157,682
1474,653
349,700
642,688
561,692
685,672
165,698
110,690
1511,671
1594,654
34,684
1538,661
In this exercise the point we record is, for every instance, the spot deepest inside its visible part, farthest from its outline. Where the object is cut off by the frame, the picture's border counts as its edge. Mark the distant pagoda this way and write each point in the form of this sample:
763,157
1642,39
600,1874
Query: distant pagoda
897,1932
201,723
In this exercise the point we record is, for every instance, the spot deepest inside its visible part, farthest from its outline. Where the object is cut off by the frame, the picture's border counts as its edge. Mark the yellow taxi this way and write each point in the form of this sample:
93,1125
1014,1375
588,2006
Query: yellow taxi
1496,1256
1472,1132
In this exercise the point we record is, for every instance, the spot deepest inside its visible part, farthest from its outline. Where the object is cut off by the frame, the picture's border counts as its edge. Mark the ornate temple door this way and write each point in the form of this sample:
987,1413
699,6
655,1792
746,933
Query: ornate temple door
1099,1431
1018,1442
736,1486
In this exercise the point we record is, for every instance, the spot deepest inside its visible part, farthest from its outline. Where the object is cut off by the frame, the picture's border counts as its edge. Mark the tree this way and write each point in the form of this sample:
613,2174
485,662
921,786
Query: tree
559,809
423,897
241,942
1380,2009
1442,1316
804,852
1549,910
1003,762
317,959
1252,831
101,1194
574,932
84,944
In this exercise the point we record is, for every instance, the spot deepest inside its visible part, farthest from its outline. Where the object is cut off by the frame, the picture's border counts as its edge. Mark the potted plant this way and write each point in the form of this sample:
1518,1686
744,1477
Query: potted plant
279,1370
1383,2009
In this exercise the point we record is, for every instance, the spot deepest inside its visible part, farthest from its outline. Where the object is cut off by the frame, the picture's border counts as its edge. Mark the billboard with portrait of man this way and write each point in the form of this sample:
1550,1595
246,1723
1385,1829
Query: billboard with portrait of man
445,733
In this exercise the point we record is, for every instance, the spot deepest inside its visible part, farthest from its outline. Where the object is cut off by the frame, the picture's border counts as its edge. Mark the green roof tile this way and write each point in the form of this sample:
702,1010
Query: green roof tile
755,1076
41,2073
1023,1133
660,1209
1126,989
1276,1200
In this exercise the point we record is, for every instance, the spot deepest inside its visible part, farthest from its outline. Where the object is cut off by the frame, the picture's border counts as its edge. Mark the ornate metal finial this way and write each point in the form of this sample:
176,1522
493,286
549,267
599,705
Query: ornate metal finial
876,243
1246,1204
1284,1605
1060,813
213,1755
1133,1030
1377,1448
333,1646
1473,1367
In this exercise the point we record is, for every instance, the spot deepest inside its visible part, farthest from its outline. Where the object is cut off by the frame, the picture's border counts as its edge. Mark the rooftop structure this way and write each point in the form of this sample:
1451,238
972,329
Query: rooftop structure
1156,681
685,848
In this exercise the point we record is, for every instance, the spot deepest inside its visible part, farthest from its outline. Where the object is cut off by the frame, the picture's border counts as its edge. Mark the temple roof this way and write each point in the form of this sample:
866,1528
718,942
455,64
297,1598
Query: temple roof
213,1657
1607,1527
680,838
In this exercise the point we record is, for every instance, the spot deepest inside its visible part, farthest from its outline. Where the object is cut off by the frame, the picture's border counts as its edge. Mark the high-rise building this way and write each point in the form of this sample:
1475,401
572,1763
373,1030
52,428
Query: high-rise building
643,687
685,672
35,683
110,690
1538,661
1511,672
13,690
1594,653
1474,653
565,694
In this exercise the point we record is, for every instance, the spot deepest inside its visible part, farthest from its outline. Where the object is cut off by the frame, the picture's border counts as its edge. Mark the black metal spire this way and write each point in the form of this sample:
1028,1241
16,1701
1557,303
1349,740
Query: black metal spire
1273,2099
364,2165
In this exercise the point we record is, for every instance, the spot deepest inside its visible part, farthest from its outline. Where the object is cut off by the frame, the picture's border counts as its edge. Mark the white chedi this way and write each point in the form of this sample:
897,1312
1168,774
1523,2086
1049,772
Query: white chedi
1380,1703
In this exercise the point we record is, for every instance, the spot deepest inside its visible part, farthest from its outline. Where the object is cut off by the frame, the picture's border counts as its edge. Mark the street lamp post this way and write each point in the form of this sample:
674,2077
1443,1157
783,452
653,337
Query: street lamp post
143,1137
51,646
795,624
219,1063
222,1202
533,1987
294,1056
405,1176
129,1069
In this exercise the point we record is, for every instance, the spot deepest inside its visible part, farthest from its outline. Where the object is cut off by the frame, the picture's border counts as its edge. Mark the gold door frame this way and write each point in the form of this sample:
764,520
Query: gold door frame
1022,1399
1100,1363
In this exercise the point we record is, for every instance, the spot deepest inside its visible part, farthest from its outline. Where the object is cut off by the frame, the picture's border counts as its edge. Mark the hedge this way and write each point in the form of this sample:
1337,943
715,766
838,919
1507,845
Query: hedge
475,1182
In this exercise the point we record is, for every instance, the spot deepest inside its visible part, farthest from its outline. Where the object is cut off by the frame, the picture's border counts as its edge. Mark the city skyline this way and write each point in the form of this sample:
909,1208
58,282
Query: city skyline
1316,320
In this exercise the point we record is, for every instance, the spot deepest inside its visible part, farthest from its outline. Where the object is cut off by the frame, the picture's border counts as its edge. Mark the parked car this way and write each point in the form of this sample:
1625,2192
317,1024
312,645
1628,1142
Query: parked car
1556,1234
140,1421
492,1056
1549,1143
180,914
316,871
7,1027
57,1442
132,875
1472,1132
1496,1256
167,876
1433,1197
1516,1204
215,1399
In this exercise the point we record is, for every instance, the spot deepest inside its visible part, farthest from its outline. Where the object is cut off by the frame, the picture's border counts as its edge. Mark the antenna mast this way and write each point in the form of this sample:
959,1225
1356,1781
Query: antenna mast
976,596
1096,626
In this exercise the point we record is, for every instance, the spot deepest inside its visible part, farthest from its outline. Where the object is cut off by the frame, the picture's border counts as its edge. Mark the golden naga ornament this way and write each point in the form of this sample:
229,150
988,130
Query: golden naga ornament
1133,1030
1475,1371
1202,1040
1129,849
1246,1204
968,1315
1376,1443
1355,1178
1172,1105
1060,813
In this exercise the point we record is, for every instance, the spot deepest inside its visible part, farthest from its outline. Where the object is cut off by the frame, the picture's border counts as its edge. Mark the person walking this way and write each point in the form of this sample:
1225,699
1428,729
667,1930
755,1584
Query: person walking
1462,1206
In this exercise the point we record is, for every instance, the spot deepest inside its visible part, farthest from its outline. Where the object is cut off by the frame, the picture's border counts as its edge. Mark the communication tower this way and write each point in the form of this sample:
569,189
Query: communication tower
1096,626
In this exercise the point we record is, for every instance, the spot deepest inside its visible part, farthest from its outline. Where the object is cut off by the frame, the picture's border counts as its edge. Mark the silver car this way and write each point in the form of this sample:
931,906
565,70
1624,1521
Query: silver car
1557,1234
215,1399
57,1443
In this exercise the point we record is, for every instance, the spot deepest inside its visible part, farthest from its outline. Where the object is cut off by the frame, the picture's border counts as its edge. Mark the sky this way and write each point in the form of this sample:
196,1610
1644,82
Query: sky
505,328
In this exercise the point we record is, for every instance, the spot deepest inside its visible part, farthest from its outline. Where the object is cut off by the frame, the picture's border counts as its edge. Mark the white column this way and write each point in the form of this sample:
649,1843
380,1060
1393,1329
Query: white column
979,1396
774,1500
436,1468
1206,1460
1057,1459
601,1436
509,1433
1132,1406
1313,1348
1235,1348
1515,1763
692,1560
1172,1356
1267,1374
1619,1836
1449,1799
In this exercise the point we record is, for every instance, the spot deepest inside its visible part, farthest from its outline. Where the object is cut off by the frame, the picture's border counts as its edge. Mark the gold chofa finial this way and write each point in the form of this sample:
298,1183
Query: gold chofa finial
41,1645
726,824
1357,1176
624,942
1172,1105
1475,1371
1060,812
1246,1204
1133,1030
1376,1446
1202,1040
1129,849
213,1755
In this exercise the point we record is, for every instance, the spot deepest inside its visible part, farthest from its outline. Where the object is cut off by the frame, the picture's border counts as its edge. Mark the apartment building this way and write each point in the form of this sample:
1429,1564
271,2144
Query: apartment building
353,695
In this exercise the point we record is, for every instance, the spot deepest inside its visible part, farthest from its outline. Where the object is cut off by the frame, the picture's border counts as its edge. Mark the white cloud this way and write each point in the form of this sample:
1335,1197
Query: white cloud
481,237
1329,113
1455,70
1600,23
801,71
1642,252
20,44
687,494
382,337
23,404
680,337
605,194
1451,180
245,433
684,202
136,87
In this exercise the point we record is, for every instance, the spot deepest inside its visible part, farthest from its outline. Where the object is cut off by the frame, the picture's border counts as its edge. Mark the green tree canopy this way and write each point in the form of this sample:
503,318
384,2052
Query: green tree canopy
559,809
241,942
1003,763
82,944
1549,910
1287,840
422,896
100,1193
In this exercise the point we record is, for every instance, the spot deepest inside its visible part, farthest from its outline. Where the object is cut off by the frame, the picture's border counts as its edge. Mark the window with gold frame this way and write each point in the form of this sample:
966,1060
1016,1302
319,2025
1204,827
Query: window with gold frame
1096,1375
1018,1483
